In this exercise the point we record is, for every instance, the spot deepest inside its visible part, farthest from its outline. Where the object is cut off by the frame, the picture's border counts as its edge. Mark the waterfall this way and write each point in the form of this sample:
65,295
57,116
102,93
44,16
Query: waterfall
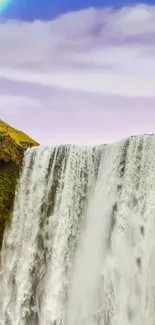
80,249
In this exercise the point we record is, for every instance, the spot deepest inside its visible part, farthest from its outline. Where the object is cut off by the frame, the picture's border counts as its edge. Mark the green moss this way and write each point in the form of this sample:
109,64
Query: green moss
9,173
1,135
13,143
8,178
19,137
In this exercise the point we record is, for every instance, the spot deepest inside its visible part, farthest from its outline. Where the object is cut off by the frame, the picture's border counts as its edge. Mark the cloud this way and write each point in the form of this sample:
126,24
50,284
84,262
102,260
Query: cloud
87,61
91,81
62,41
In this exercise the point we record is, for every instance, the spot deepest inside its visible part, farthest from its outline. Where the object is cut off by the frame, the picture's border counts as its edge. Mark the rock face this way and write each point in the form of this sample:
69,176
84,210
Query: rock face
13,143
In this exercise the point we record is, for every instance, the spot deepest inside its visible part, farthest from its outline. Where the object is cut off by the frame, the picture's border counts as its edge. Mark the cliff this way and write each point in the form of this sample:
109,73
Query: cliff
13,143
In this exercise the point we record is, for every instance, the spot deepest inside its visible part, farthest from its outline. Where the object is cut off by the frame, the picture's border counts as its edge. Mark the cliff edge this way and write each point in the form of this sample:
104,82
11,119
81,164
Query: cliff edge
13,143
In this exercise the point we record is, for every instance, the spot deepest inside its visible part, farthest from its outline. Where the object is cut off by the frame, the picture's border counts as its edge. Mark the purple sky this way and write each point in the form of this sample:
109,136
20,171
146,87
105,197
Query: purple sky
88,82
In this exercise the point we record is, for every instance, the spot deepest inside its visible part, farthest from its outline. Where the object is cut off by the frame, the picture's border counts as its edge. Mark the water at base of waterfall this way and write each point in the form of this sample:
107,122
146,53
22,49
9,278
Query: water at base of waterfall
81,246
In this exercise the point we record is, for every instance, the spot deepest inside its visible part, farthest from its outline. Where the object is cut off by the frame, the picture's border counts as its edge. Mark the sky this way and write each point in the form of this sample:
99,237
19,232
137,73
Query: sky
79,71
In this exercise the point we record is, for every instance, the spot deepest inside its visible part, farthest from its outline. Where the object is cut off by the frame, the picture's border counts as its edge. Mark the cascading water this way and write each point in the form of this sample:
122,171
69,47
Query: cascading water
81,246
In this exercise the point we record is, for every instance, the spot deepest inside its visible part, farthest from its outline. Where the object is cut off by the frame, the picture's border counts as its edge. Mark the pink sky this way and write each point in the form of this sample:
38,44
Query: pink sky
93,82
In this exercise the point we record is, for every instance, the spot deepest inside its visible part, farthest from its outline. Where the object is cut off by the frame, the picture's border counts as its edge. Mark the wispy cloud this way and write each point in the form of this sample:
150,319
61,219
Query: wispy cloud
77,70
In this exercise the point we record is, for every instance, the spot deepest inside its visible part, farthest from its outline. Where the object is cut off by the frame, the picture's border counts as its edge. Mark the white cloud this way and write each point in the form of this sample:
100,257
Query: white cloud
92,81
119,43
87,53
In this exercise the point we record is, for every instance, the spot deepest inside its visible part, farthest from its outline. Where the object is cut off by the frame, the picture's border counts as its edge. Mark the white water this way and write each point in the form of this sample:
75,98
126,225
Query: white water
81,247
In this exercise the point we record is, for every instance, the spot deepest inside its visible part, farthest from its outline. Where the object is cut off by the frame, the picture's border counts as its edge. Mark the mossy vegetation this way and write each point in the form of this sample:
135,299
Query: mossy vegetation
18,136
13,143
